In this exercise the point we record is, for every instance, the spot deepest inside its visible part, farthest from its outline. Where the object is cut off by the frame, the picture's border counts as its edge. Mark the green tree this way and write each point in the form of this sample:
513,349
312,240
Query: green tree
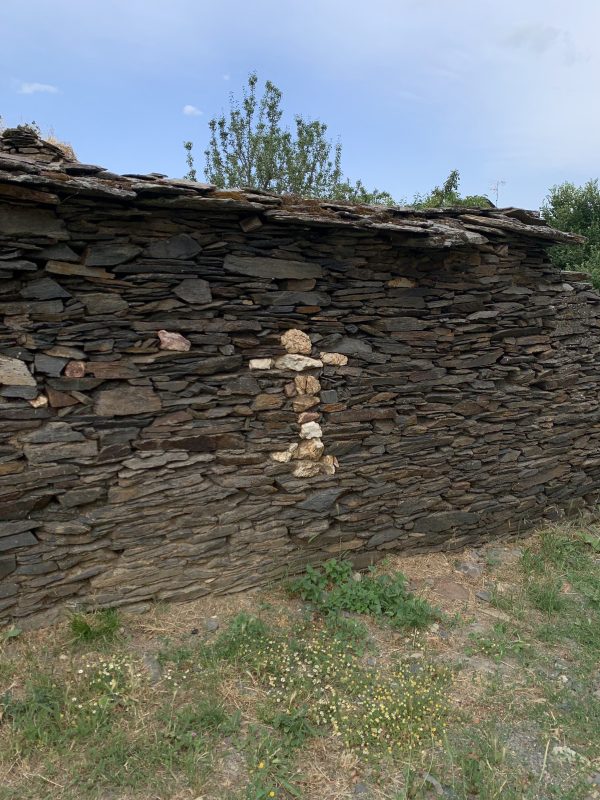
576,209
250,147
448,196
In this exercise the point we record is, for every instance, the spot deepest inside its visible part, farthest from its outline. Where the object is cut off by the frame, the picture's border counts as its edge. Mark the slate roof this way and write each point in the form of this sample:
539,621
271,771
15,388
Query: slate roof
32,170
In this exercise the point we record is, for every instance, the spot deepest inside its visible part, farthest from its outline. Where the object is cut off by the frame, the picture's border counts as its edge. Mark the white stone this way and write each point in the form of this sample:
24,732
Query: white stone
311,430
306,469
309,450
297,362
307,384
14,372
401,283
39,402
261,363
296,341
336,359
329,464
284,456
173,341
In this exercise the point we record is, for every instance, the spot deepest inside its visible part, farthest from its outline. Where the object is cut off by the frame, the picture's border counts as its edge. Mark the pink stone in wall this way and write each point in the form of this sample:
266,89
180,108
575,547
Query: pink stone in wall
173,341
296,341
75,369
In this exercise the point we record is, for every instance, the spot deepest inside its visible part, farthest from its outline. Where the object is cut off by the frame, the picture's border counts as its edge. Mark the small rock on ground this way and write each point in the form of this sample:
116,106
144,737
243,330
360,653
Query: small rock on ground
151,664
450,590
470,569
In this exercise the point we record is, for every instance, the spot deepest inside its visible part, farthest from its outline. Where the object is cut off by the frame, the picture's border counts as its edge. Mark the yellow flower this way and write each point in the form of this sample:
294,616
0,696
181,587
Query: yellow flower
261,765
271,793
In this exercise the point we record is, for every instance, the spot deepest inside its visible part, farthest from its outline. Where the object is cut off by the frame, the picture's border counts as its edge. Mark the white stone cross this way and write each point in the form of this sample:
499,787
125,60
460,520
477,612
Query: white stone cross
308,454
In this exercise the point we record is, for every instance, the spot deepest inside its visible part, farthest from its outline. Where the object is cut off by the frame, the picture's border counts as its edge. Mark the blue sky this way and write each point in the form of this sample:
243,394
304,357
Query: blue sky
413,88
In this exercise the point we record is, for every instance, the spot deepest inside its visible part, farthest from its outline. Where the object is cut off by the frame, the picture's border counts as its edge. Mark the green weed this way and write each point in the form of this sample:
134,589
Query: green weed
546,596
503,641
96,626
336,587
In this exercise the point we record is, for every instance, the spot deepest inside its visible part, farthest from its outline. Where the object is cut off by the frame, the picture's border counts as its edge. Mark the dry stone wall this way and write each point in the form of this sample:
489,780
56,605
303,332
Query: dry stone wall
201,390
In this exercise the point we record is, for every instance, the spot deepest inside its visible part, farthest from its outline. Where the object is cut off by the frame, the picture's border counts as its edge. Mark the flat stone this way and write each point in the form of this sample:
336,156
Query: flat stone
194,290
346,345
18,526
21,220
297,362
103,303
329,396
300,285
58,252
264,402
210,366
23,392
59,451
80,497
18,540
309,299
180,246
14,372
126,400
109,254
43,289
320,501
59,399
271,267
7,567
53,432
20,265
401,324
450,590
68,268
49,365
445,521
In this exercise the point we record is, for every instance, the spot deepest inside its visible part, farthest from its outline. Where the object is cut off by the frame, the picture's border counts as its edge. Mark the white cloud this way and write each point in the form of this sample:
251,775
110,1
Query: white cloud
35,88
538,39
191,111
535,38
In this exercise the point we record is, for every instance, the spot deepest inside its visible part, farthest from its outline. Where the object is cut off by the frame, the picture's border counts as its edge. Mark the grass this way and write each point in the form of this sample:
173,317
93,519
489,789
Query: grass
99,626
340,685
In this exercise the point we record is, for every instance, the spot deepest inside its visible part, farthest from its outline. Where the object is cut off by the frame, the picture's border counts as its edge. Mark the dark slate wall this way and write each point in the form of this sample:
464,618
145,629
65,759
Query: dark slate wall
455,401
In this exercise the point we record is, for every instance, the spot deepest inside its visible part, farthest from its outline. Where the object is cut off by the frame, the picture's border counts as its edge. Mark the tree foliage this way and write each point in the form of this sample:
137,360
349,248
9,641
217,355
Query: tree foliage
448,196
576,209
251,147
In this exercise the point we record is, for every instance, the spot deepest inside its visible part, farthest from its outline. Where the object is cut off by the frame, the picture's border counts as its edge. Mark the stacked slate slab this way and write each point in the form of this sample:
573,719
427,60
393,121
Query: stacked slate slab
202,390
